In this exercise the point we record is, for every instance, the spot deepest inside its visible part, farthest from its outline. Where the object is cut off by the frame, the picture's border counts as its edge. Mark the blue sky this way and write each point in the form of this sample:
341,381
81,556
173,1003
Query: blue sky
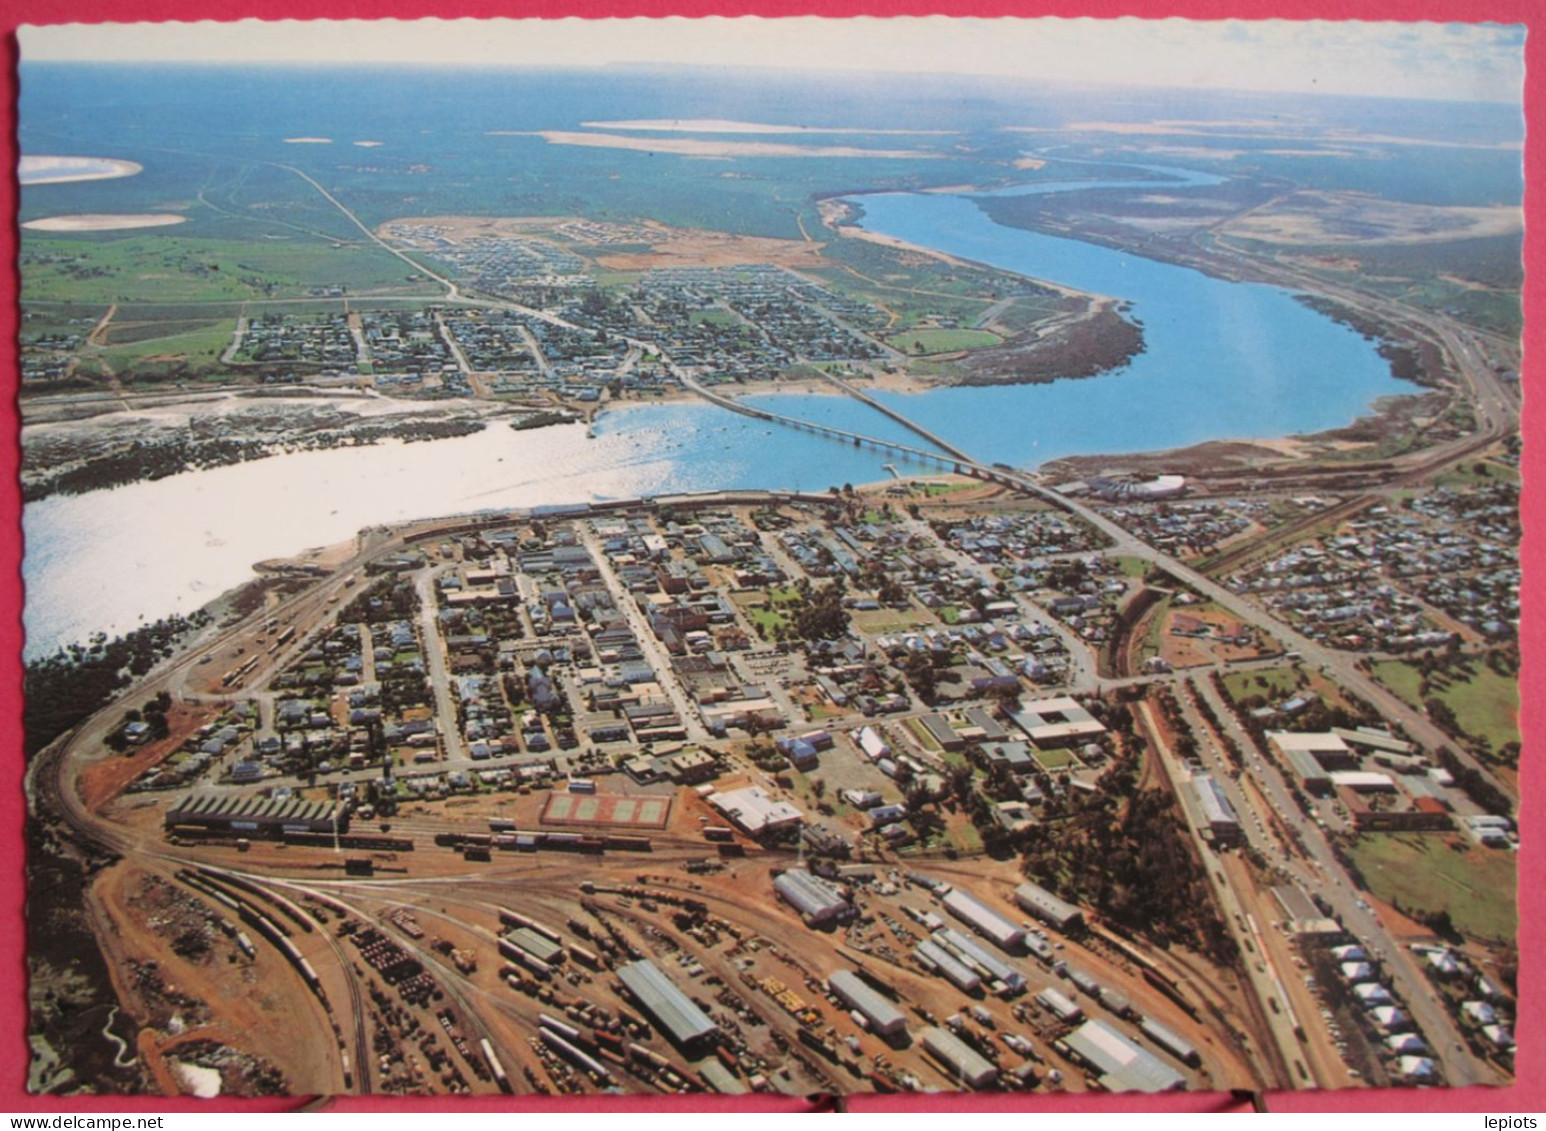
1467,62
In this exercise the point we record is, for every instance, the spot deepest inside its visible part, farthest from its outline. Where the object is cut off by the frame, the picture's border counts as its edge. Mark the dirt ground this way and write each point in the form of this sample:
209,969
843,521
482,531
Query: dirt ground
1347,217
256,1005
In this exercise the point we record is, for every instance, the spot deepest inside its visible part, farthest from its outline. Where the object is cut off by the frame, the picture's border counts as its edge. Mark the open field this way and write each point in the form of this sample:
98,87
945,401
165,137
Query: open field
1353,218
1485,703
925,341
1274,683
201,344
177,269
1476,886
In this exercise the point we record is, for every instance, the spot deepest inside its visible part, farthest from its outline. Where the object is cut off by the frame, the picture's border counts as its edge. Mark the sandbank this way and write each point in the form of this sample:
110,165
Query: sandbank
698,147
91,222
53,170
728,126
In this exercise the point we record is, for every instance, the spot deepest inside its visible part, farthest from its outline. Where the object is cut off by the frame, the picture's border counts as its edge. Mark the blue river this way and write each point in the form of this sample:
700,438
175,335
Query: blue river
1222,360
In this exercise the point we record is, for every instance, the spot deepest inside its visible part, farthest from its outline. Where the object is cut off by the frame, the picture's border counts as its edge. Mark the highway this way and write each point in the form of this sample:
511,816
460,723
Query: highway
1322,874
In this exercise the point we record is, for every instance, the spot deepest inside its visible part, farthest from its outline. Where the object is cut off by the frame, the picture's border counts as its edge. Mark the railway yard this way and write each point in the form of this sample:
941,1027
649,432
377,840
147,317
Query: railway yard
746,792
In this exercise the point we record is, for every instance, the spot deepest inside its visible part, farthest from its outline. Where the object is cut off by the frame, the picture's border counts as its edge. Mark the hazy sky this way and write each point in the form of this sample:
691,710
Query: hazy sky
1470,62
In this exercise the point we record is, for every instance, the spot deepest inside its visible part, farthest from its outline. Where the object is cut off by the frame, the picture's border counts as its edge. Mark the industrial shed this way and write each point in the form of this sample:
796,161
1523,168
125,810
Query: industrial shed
1038,901
540,947
959,1060
937,958
817,903
687,1025
1170,1042
984,920
884,1018
979,958
243,813
1121,1065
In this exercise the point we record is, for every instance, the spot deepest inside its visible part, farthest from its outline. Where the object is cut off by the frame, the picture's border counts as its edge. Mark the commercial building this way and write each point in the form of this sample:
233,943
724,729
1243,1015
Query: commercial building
1328,749
961,1062
754,812
939,729
984,920
1058,721
1040,902
881,1015
1120,1064
817,903
1215,811
672,1010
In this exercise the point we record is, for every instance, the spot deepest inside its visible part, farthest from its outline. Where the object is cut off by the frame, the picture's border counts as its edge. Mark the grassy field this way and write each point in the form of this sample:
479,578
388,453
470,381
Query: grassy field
1052,760
942,341
1485,703
762,608
714,317
206,341
1477,886
1477,473
1273,683
1404,679
891,620
171,269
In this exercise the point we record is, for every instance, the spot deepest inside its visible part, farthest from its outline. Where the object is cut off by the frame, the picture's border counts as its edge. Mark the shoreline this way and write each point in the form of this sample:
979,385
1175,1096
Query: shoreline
50,169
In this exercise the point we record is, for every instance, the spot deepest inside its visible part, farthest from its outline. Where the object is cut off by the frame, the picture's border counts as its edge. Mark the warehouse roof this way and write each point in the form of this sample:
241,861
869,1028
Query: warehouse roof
673,1010
809,896
1123,1066
883,1016
961,1059
754,810
983,919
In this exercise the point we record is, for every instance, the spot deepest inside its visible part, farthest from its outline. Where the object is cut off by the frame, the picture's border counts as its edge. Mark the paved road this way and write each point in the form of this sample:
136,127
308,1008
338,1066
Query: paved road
1323,874
435,665
654,651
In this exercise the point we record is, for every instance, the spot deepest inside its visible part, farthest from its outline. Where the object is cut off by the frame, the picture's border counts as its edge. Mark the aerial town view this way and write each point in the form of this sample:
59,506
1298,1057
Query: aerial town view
854,563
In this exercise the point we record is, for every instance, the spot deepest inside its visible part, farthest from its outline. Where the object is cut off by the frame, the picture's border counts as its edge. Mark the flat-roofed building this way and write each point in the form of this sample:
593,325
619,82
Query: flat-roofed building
1060,1005
1058,721
1371,738
979,958
540,947
1215,810
882,1016
939,729
961,1062
1363,781
1170,1042
1313,777
687,1025
1326,748
754,812
1120,1064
